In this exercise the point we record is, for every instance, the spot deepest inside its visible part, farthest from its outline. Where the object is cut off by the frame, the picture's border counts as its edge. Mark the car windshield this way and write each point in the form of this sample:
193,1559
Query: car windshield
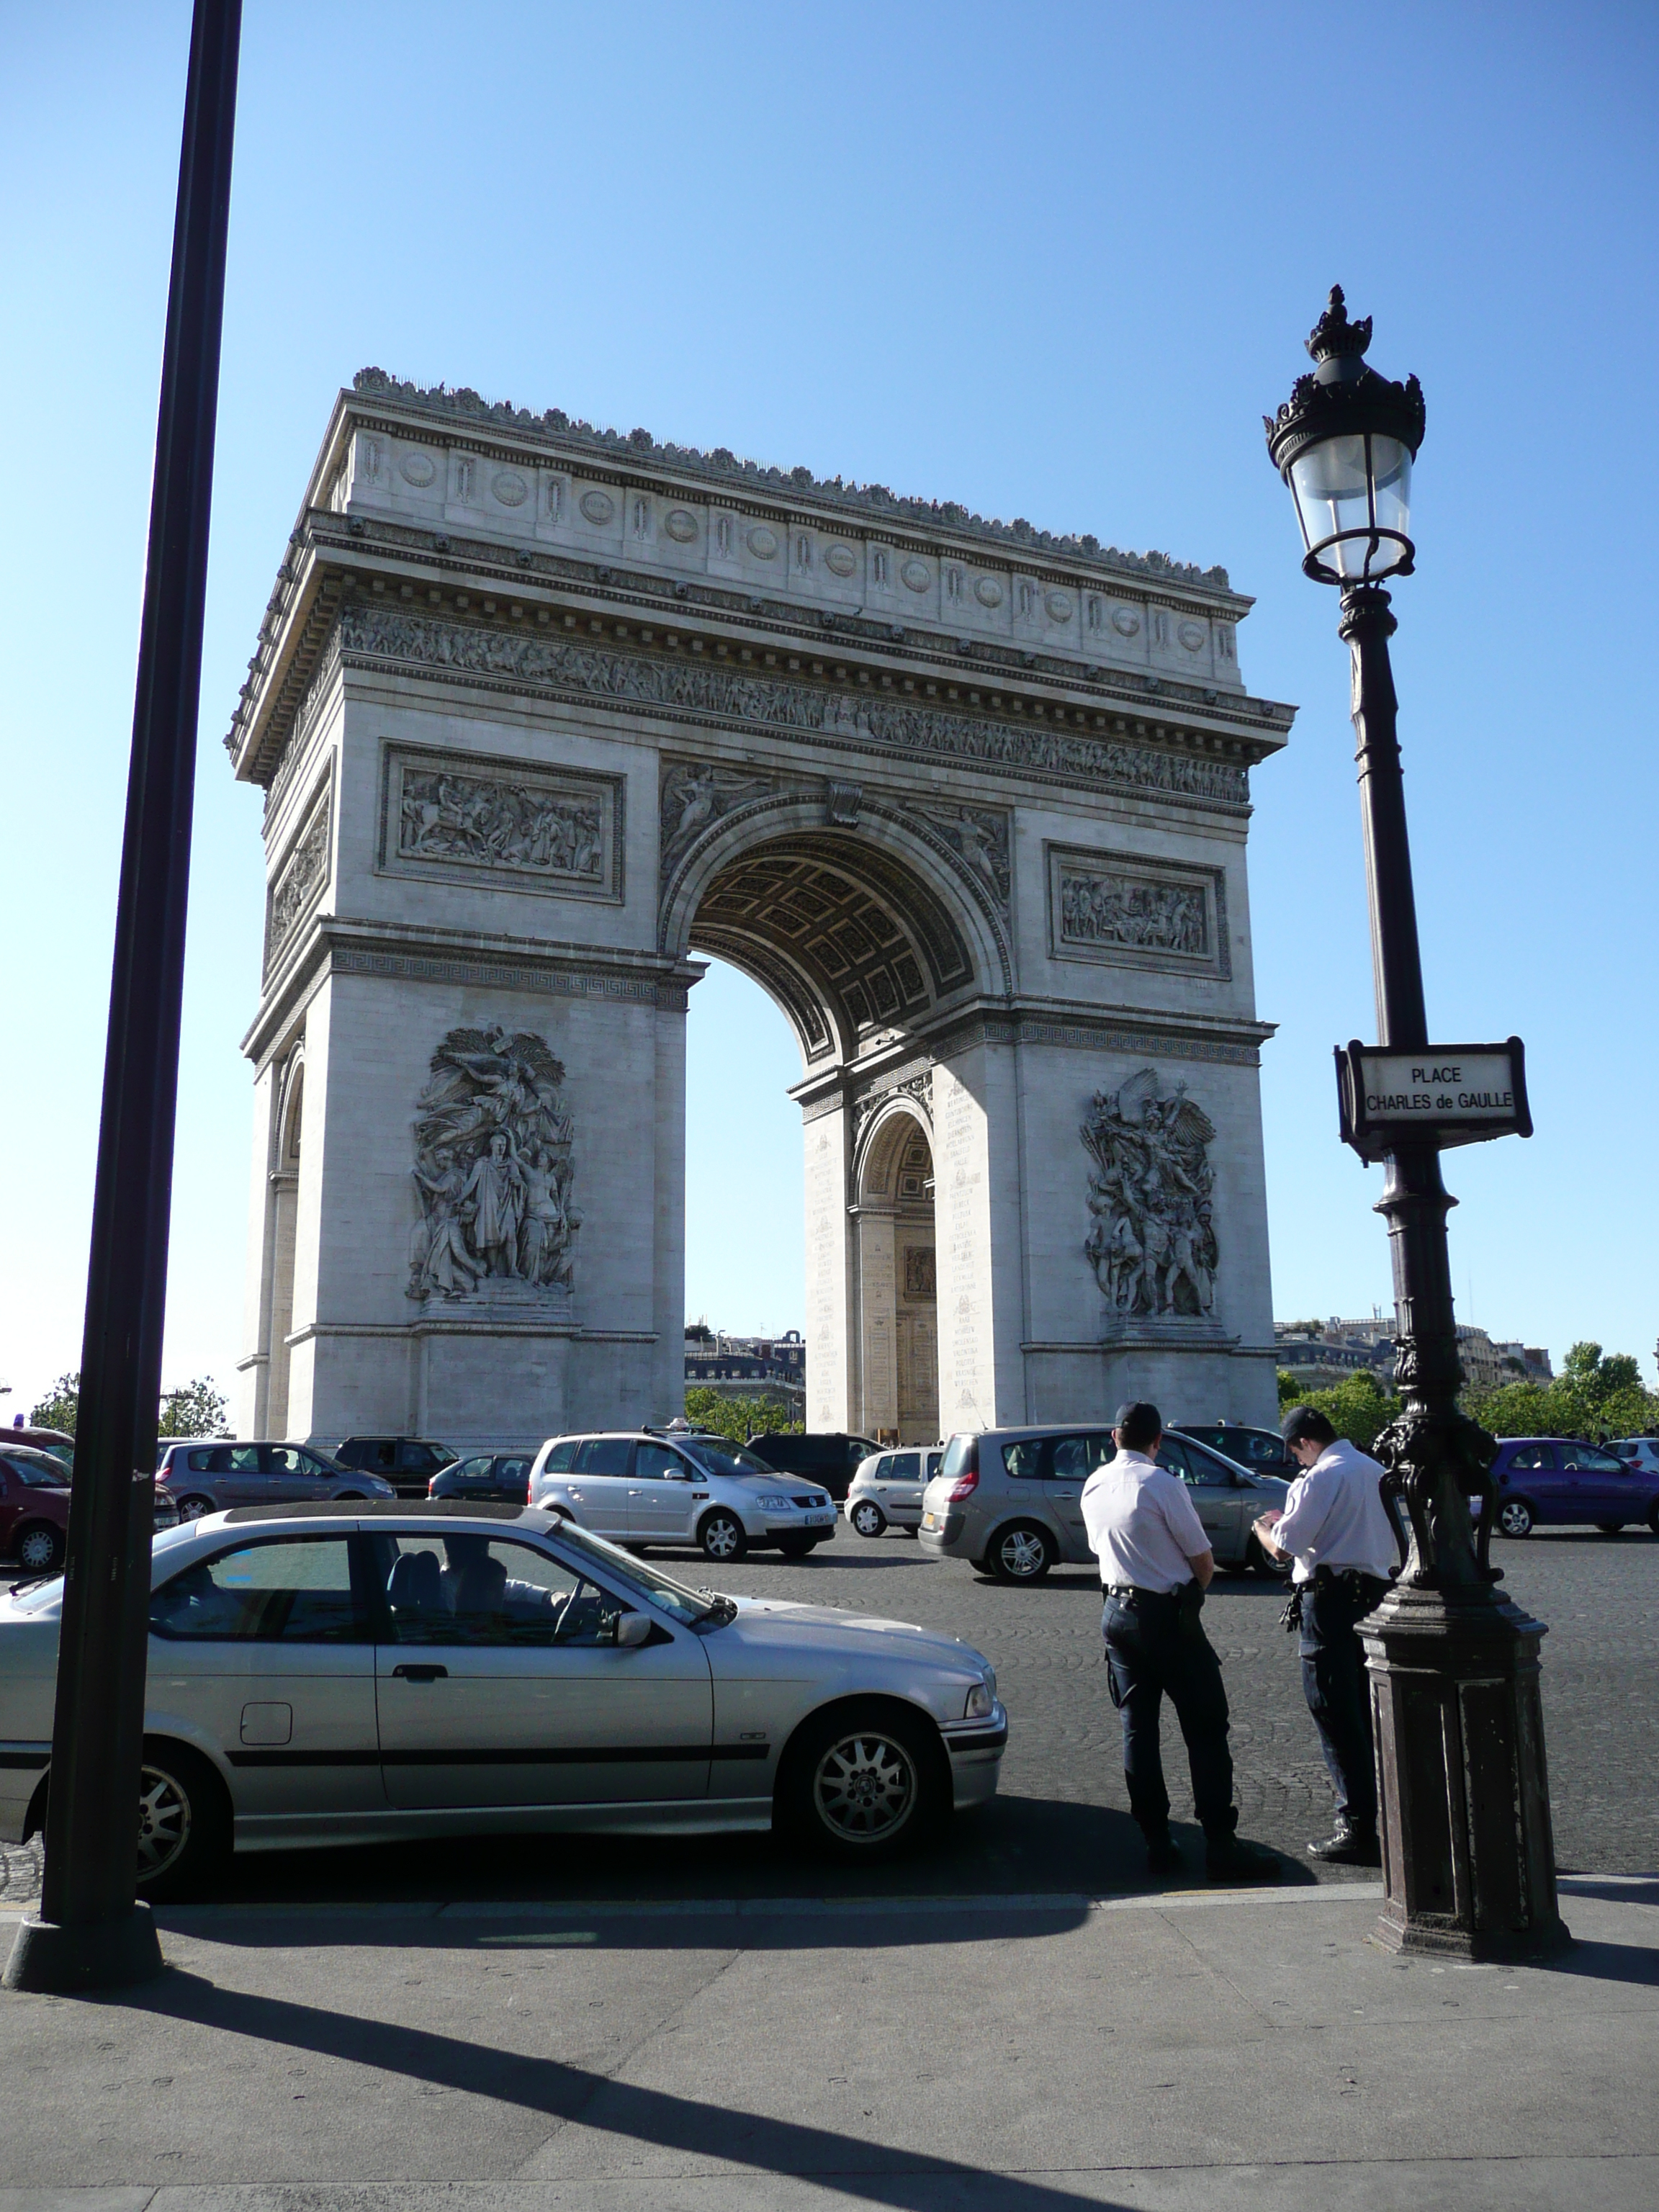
38,1469
723,1458
696,1608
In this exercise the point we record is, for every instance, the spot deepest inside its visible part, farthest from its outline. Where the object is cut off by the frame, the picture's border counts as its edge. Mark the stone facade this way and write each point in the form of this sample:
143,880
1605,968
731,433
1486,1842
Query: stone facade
541,714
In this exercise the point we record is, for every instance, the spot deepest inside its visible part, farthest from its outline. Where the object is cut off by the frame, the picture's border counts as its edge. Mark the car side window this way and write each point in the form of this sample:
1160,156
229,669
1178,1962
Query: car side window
907,1467
656,1462
1076,1458
562,1458
1531,1459
604,1455
468,1588
1023,1460
474,1469
512,1470
1590,1460
295,1590
1192,1467
288,1459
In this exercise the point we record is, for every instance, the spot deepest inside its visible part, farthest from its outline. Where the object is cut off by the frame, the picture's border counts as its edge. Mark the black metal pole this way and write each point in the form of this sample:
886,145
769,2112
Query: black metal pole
1468,1861
89,1932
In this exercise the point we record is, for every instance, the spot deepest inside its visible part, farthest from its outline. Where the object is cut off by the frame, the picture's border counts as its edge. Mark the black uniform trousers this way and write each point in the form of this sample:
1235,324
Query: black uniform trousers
1150,1653
1338,1689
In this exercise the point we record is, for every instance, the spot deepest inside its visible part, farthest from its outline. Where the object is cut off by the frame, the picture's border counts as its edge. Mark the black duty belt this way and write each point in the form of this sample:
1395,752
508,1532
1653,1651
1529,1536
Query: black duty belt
1128,1593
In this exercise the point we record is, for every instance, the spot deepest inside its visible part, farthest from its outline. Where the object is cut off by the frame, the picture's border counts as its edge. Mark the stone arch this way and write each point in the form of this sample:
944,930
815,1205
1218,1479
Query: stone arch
855,927
896,1274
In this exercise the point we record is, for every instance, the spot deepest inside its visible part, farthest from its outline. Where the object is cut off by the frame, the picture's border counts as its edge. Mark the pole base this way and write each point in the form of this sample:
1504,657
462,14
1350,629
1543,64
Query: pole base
1468,1863
104,1954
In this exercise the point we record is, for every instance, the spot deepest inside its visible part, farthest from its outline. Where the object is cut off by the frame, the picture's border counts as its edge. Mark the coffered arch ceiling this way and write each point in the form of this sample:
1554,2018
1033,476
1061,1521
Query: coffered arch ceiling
847,939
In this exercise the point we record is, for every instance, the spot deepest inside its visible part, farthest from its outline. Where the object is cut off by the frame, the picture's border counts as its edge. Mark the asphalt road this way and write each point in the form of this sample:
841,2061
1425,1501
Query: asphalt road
1061,1820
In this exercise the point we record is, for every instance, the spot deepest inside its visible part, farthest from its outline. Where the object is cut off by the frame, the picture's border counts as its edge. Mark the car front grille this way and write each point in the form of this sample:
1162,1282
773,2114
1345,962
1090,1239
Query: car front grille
803,1501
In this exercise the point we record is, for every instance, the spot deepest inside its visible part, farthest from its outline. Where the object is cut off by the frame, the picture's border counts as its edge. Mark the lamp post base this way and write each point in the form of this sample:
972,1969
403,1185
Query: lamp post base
103,1955
1468,1862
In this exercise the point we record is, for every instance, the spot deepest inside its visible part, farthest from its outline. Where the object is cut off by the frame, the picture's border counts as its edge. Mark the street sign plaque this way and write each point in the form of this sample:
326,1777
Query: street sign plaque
1442,1095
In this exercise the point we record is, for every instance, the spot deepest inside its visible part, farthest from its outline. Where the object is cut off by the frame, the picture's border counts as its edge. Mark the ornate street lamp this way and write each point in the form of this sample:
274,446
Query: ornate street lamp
1468,1861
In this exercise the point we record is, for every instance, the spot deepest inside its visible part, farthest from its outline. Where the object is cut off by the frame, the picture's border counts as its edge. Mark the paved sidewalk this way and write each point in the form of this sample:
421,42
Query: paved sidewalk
950,2055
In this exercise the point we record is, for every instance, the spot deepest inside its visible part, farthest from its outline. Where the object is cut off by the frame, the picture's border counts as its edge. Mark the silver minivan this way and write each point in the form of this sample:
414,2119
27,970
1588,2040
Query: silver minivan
886,1492
639,1488
1010,1500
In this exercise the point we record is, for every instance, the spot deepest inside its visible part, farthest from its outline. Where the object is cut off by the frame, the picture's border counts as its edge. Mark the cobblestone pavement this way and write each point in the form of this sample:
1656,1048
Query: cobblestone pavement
1061,1821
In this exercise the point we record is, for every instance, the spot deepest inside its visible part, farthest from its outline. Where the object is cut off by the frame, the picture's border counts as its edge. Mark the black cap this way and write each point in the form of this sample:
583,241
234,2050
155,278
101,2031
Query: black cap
1307,1425
1139,1424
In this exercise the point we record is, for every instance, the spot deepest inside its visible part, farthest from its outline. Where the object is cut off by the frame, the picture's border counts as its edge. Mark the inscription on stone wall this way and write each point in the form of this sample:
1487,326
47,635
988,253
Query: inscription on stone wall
455,815
958,1180
1130,912
299,882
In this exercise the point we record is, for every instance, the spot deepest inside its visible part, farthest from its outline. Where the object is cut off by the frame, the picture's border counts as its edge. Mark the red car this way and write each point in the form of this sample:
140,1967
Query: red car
35,1501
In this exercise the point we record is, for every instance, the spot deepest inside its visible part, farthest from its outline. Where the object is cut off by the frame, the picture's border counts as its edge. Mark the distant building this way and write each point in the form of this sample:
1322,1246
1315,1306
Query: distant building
747,1366
1320,1354
1532,1359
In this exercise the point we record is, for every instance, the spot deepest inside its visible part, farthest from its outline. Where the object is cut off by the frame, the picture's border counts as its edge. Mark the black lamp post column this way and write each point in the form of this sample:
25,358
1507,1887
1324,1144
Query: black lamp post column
1468,1862
90,1933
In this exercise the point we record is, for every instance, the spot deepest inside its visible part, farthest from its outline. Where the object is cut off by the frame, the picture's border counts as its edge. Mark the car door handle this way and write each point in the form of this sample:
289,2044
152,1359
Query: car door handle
421,1674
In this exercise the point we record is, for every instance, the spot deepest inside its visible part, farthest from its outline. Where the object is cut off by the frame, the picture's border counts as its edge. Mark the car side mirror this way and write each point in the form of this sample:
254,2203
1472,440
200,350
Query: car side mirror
632,1629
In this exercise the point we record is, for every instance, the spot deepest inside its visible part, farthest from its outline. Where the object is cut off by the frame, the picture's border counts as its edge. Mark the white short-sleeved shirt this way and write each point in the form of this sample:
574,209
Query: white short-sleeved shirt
1335,1517
1142,1526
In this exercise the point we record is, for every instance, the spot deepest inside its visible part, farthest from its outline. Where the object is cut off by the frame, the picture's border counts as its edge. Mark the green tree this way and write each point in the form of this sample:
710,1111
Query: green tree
1357,1407
198,1410
737,1419
1290,1388
1595,1391
60,1406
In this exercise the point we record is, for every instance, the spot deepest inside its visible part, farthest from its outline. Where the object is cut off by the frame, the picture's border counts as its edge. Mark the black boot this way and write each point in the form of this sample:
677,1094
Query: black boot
1227,1860
1349,1846
1162,1852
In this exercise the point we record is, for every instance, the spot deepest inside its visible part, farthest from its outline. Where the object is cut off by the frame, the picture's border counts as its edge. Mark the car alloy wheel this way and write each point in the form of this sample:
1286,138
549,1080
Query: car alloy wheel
865,1788
721,1536
868,1518
40,1550
193,1507
164,1821
1515,1517
1021,1554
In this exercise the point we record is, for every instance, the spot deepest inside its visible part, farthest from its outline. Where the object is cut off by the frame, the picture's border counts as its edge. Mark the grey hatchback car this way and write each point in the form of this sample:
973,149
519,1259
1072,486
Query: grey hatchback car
211,1475
1010,1500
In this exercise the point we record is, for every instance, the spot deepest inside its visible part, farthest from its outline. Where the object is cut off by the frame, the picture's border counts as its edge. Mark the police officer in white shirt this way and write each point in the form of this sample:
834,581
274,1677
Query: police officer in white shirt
1155,1561
1341,1536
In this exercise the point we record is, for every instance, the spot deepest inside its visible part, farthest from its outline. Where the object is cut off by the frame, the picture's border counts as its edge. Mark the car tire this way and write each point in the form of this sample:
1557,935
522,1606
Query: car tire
868,1517
1022,1552
349,1496
183,1821
194,1505
1609,1527
862,1783
38,1549
1515,1517
794,1548
721,1536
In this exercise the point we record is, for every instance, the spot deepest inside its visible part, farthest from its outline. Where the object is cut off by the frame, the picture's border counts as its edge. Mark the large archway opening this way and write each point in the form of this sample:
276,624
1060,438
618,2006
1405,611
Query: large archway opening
897,1282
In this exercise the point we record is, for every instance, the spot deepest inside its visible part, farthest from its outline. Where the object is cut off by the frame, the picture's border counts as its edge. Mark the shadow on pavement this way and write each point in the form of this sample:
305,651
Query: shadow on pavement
573,2094
1015,1846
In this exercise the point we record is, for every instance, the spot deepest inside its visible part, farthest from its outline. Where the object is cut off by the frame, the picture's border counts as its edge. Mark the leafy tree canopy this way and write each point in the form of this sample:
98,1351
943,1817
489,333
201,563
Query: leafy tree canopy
737,1418
1596,1393
1357,1407
198,1410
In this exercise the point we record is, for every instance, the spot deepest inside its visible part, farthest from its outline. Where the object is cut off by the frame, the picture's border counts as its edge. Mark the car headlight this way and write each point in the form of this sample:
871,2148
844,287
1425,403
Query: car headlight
773,1504
982,1700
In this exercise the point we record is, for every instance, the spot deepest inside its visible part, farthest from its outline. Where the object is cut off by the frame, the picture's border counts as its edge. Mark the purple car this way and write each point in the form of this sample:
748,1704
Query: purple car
1553,1482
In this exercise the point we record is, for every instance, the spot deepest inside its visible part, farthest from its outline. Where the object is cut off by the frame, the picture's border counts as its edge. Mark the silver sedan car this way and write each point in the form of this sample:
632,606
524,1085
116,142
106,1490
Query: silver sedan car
353,1675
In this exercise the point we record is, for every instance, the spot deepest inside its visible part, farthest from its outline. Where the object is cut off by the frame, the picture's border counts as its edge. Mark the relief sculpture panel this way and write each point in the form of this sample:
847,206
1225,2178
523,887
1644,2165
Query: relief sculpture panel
299,882
1151,1194
456,815
492,1170
1133,913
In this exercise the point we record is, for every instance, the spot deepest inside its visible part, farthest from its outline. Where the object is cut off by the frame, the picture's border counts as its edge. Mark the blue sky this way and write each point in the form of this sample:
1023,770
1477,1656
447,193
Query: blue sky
1049,263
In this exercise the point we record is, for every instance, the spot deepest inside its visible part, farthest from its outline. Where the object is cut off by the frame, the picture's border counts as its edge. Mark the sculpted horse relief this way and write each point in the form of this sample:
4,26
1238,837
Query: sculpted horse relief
1152,1242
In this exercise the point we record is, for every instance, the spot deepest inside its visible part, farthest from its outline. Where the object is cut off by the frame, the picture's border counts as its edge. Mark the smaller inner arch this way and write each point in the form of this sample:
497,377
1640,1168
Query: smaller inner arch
897,1284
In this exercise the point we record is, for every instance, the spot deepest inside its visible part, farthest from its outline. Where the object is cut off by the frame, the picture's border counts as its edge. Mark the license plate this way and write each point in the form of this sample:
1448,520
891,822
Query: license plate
820,1520
930,1520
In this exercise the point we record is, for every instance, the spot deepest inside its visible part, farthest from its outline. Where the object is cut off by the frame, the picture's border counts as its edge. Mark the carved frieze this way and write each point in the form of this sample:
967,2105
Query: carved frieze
298,883
1132,912
695,794
493,1172
465,815
921,1273
685,687
1152,1241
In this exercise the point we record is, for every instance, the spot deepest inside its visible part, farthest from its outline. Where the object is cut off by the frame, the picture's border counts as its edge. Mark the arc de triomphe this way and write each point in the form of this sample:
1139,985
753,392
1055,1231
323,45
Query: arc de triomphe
541,713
